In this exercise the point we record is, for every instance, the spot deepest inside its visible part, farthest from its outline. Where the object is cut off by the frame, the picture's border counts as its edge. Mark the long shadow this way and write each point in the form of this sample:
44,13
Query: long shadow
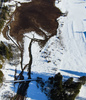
28,89
84,19
75,72
17,71
81,32
80,98
21,90
33,74
84,34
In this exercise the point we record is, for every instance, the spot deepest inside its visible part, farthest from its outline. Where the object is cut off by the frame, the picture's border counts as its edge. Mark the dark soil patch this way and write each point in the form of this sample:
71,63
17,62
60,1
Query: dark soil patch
33,16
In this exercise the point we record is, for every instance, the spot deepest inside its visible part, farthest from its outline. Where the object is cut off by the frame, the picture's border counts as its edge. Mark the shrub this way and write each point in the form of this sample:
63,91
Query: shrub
3,16
1,23
1,58
5,0
68,82
82,79
5,51
58,81
59,90
4,12
1,76
0,66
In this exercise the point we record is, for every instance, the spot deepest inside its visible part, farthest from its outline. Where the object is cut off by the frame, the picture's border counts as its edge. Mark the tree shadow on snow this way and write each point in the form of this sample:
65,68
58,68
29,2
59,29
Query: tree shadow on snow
28,89
80,98
31,89
75,72
81,31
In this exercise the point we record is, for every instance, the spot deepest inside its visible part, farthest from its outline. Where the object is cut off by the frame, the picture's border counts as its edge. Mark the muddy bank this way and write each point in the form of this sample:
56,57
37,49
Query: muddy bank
33,16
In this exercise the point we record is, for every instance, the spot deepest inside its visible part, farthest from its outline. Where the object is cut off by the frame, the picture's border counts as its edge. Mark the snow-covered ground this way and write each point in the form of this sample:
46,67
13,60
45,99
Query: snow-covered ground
74,39
65,55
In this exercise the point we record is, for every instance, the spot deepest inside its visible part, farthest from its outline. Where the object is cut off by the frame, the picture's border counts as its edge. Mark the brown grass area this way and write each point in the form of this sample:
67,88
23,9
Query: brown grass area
31,16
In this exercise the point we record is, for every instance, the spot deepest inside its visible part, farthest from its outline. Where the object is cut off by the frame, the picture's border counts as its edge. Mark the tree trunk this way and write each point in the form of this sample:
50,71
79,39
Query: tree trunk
30,61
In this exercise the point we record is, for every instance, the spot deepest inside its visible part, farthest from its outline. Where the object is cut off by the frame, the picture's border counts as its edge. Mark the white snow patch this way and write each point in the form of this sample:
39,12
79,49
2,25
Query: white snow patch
32,35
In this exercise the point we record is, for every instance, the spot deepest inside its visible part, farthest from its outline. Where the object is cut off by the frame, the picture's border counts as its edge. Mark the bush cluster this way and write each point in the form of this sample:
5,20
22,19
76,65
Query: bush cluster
5,51
67,90
1,77
4,0
82,79
0,66
60,90
1,23
4,12
3,16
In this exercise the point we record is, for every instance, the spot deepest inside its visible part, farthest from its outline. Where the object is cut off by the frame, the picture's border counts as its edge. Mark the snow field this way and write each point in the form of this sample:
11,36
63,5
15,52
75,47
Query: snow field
65,55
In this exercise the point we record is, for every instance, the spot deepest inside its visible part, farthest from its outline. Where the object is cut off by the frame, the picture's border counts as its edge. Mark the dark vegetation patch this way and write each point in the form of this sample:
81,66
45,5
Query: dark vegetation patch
1,78
0,66
4,0
2,58
33,16
1,24
3,16
82,79
57,89
5,52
